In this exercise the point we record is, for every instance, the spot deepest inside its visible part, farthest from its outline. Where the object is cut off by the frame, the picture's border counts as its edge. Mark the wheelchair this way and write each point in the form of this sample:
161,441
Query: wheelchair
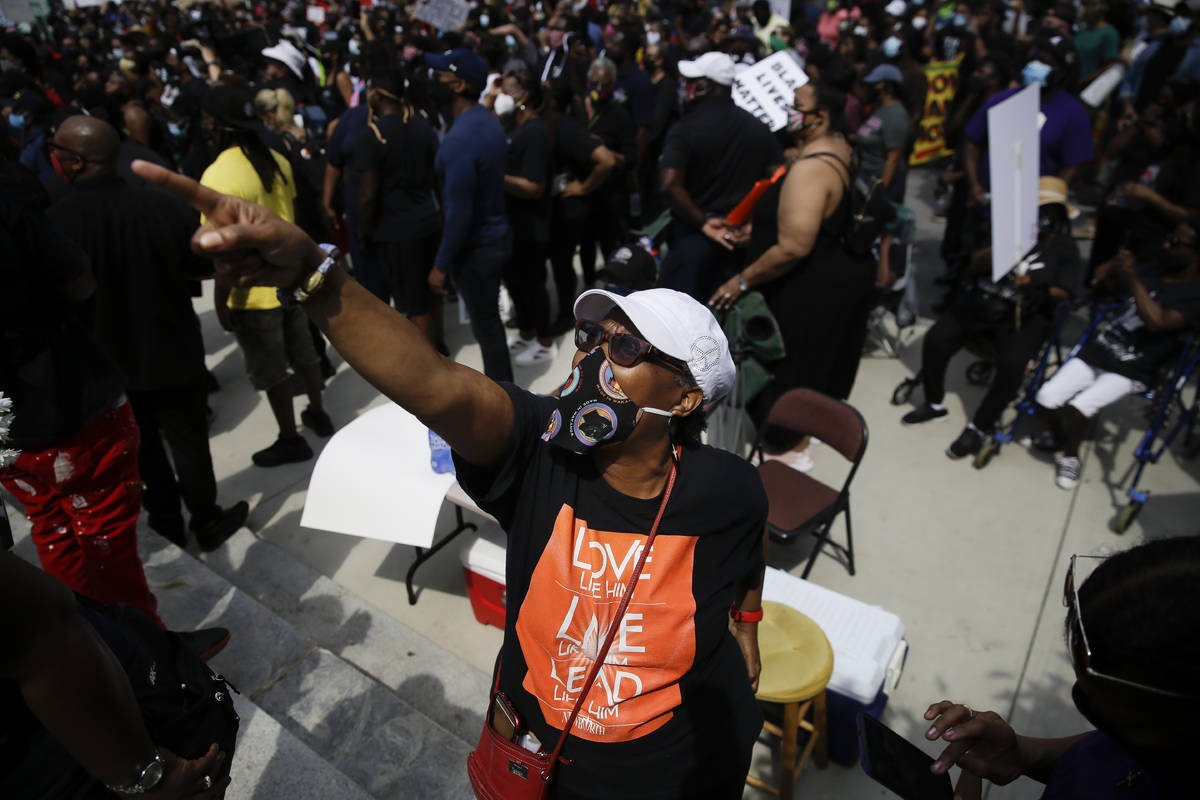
1166,400
1027,406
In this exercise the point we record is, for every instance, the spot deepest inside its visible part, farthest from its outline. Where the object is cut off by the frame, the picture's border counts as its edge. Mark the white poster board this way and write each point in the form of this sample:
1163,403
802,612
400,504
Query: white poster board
1014,161
373,479
765,89
783,8
445,15
16,12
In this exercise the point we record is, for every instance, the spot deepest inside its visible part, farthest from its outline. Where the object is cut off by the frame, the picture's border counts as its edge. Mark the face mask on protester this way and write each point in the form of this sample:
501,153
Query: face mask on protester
592,409
958,21
600,93
891,47
177,129
354,47
1179,26
17,121
504,105
653,37
919,23
795,120
691,93
1035,72
510,41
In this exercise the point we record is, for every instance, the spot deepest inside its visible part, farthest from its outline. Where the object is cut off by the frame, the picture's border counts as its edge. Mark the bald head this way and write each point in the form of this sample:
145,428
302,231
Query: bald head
93,139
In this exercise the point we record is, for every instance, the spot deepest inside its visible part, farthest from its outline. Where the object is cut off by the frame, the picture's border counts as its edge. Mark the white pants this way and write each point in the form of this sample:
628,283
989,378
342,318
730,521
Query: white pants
1085,387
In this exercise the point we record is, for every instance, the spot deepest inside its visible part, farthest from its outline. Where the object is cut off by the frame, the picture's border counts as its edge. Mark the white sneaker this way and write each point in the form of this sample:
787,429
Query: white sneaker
799,460
517,345
1066,472
535,353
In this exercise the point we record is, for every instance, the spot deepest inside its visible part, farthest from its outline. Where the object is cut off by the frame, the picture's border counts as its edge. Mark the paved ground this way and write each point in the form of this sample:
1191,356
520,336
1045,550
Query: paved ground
972,561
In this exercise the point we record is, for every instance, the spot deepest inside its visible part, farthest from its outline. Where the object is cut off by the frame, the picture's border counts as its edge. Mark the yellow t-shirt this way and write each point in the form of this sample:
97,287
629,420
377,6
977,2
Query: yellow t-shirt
232,173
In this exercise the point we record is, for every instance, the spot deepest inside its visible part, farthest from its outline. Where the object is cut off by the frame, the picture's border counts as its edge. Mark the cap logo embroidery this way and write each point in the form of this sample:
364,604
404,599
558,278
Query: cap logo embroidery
706,354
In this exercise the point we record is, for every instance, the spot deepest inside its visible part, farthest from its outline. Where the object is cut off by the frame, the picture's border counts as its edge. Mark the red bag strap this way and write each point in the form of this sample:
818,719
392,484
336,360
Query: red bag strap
616,623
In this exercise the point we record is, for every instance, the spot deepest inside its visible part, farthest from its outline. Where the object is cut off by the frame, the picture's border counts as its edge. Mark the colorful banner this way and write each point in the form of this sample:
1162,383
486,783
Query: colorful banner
931,138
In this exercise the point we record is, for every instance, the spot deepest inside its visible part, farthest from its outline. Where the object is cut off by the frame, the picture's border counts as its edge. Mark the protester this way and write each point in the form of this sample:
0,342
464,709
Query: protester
1012,317
711,158
818,291
1134,682
272,335
882,141
397,215
527,186
1126,353
476,238
136,241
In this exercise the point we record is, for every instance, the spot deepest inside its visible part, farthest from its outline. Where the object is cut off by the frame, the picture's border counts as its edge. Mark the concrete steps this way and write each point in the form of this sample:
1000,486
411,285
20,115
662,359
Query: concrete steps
338,700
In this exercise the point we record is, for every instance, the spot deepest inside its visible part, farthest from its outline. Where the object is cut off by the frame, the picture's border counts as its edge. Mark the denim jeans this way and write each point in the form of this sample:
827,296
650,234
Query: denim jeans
477,278
695,264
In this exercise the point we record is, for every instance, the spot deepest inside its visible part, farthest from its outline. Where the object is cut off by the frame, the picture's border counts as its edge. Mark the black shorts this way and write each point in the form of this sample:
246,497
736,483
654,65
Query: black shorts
405,266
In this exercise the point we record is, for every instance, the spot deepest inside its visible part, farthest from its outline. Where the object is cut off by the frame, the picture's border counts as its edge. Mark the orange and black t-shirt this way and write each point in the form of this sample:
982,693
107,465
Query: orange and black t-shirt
671,710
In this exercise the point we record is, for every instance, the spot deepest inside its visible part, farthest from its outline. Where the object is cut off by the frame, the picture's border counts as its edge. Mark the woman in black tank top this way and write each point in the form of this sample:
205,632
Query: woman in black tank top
819,292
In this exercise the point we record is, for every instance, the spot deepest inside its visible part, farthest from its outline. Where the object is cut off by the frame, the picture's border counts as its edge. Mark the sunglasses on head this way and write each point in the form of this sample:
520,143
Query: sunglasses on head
1075,625
624,349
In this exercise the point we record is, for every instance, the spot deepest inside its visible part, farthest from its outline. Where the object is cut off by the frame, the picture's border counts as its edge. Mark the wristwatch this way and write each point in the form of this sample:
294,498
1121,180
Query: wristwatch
316,279
149,775
743,287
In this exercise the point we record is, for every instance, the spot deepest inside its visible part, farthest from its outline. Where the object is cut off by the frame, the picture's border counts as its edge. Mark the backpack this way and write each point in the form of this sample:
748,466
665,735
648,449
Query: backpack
869,207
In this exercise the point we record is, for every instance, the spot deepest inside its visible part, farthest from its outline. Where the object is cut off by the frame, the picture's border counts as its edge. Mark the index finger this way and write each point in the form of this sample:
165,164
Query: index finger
201,198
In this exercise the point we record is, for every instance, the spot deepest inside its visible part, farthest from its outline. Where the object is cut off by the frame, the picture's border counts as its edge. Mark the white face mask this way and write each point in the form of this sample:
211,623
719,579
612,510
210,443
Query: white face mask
653,37
918,23
504,105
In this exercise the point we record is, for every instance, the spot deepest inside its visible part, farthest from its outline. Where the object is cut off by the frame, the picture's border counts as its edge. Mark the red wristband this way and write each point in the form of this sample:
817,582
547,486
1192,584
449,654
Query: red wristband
737,615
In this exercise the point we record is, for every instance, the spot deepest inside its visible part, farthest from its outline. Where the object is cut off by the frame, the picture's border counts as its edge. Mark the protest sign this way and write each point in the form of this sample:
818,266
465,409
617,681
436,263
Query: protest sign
1014,162
445,15
16,12
782,7
766,89
931,141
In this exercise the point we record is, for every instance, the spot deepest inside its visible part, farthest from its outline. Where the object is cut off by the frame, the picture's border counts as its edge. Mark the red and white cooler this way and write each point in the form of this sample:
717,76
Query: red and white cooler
483,570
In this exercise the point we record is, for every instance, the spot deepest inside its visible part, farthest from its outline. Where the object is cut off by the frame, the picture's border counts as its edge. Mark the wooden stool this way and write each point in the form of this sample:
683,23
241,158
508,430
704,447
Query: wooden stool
797,662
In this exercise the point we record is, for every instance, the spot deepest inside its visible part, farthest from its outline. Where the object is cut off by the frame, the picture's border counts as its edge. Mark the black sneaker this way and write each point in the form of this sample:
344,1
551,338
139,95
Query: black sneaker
924,413
206,642
291,450
318,420
1066,472
967,444
213,531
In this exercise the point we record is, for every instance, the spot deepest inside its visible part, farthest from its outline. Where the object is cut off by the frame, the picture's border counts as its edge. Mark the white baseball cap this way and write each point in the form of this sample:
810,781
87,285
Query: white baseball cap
717,67
678,325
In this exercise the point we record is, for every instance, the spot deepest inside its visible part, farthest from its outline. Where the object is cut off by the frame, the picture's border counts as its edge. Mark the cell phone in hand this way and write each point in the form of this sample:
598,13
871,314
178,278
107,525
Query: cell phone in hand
899,764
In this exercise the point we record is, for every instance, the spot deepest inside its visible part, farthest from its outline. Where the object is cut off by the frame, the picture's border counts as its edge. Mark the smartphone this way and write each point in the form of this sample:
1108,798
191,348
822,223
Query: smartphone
899,764
503,718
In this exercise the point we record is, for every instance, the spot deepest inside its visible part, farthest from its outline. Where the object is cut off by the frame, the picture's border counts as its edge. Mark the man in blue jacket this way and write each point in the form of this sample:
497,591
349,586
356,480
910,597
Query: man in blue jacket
476,240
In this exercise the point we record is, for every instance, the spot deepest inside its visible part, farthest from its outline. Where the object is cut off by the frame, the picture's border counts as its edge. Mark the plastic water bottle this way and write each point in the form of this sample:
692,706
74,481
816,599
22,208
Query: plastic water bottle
439,454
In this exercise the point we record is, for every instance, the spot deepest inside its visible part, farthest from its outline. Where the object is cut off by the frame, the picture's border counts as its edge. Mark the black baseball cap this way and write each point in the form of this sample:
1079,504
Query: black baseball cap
464,63
630,265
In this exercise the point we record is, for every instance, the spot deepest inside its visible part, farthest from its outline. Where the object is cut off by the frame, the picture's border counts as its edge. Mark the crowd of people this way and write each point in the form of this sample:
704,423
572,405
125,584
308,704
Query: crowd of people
571,154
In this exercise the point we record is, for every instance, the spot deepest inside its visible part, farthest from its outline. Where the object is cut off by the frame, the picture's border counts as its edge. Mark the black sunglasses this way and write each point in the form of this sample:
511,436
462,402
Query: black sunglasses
50,145
624,349
1075,623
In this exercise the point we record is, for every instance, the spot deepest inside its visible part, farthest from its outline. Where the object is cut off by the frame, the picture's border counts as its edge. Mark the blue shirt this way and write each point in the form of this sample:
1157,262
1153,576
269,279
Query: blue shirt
1132,82
339,152
1189,67
470,169
1065,136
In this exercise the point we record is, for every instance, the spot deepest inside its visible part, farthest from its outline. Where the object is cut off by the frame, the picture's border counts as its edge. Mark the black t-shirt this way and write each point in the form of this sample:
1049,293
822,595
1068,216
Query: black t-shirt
1056,264
673,703
529,158
58,376
722,150
573,148
402,153
138,242
1127,347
